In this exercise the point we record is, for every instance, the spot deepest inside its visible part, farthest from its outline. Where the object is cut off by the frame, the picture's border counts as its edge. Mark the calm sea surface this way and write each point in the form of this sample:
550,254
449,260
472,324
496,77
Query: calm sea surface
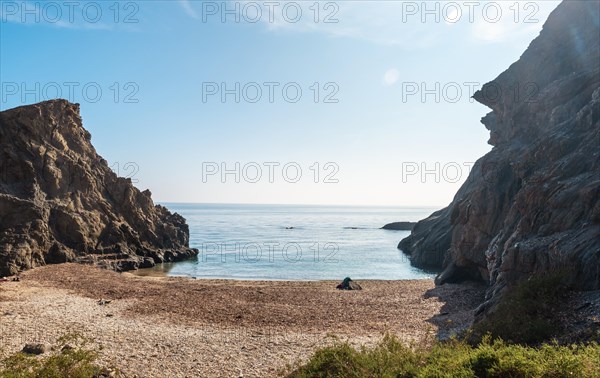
295,242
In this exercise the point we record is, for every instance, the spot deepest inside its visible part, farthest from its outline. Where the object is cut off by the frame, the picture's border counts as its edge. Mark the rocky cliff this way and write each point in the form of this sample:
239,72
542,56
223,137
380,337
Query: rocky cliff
59,200
532,204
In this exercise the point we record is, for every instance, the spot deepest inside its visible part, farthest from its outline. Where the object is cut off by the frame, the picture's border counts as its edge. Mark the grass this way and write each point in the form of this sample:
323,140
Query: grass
525,318
71,358
391,358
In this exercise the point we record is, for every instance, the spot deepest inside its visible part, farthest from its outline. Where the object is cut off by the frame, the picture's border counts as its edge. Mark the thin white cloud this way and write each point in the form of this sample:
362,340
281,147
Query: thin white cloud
414,25
505,21
59,16
378,22
187,7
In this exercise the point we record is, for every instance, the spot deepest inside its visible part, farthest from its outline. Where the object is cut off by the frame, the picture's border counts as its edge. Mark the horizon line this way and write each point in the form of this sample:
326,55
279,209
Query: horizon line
297,204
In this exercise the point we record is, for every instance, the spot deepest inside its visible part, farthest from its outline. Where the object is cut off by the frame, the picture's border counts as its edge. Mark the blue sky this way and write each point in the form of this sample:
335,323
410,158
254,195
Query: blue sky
156,62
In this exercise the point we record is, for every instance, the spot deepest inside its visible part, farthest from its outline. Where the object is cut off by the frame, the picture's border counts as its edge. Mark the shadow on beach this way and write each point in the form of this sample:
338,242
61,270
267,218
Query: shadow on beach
457,312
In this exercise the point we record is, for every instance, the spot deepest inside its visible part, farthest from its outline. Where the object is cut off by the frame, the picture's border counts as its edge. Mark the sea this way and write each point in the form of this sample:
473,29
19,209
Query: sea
295,242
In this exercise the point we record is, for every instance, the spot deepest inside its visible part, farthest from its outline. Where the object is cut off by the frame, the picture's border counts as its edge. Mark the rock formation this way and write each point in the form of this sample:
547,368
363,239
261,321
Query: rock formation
532,204
399,226
60,202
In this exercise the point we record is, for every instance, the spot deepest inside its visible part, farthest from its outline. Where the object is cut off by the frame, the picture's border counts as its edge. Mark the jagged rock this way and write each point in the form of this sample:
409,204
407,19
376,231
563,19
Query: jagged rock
429,241
60,202
399,226
532,204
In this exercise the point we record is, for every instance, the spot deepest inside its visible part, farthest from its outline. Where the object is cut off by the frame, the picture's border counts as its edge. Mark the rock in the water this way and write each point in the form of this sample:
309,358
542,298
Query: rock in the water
35,349
400,226
429,242
532,204
60,202
348,284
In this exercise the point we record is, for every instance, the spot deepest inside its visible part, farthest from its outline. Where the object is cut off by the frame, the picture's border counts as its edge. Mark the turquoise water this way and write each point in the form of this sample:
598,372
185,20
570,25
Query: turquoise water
295,242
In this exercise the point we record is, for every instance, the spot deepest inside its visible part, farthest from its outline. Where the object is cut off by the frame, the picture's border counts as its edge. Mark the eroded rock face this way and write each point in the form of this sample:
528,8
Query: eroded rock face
532,204
59,200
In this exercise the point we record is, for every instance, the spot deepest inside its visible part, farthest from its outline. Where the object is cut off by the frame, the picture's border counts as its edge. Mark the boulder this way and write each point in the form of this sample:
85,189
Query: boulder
35,349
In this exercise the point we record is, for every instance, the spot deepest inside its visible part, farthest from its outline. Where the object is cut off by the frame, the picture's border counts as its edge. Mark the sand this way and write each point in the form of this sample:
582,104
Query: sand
180,327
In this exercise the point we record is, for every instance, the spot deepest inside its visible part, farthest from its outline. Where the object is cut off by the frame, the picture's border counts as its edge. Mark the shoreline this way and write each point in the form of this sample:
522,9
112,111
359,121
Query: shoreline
159,271
157,326
156,273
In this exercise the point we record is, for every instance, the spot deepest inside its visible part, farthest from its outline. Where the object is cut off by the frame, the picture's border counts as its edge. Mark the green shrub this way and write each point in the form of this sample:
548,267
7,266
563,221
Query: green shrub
343,361
72,358
453,358
526,313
